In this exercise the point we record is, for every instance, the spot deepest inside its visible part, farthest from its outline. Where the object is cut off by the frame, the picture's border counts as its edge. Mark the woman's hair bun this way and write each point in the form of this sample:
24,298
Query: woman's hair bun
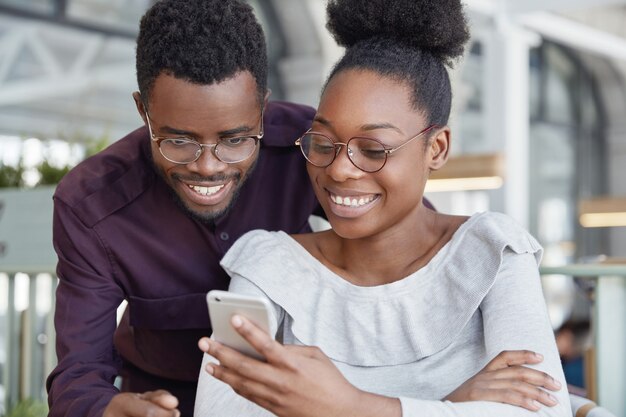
437,26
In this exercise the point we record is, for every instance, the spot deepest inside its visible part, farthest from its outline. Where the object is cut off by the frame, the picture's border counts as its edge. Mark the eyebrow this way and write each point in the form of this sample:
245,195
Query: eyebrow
229,132
366,127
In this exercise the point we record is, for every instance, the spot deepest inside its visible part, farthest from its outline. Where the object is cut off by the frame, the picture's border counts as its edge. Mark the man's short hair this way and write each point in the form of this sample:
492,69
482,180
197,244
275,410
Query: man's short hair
200,41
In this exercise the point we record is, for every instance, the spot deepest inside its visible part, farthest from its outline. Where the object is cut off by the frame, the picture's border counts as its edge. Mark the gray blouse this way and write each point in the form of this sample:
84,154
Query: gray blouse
416,339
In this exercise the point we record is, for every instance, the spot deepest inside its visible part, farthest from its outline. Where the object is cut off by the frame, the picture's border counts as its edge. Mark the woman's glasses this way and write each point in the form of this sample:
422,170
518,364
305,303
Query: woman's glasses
367,154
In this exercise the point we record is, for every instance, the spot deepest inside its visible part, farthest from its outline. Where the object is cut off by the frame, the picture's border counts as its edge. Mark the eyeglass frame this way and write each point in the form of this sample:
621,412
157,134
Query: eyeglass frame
212,146
388,151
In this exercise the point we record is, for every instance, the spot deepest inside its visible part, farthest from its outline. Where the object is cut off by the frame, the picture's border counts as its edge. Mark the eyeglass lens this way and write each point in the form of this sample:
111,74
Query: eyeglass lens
230,150
366,154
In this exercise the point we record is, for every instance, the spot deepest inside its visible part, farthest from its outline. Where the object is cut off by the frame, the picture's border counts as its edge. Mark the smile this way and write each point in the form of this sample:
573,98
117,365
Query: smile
352,201
206,190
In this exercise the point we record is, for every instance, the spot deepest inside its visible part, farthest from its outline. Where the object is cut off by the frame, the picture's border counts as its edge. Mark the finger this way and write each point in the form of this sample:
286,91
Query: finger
136,405
510,397
271,350
162,398
531,376
237,362
511,358
203,344
255,391
505,390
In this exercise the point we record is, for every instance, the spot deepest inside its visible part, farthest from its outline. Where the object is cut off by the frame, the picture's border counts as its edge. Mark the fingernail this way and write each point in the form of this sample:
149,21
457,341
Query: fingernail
556,383
536,404
553,399
539,355
236,321
209,369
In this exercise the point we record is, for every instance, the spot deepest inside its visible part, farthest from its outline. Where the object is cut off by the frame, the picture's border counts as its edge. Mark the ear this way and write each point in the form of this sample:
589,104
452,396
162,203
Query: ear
267,97
140,106
438,148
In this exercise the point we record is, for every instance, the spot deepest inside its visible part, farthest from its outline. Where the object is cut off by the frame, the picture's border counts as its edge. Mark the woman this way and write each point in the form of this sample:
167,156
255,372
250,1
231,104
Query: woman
404,305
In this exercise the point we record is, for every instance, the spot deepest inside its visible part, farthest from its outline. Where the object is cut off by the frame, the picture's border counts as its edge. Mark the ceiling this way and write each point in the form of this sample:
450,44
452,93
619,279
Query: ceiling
67,66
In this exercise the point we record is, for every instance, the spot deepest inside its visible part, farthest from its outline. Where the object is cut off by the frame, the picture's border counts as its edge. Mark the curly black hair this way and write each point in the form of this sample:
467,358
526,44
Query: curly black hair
408,40
200,41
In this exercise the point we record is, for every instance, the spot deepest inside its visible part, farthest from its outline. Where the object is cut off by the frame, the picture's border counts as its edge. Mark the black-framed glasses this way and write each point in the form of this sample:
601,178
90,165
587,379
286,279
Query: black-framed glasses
367,154
184,150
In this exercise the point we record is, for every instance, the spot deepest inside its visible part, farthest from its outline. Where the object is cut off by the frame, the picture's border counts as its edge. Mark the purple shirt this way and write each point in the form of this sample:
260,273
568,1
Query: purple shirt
119,235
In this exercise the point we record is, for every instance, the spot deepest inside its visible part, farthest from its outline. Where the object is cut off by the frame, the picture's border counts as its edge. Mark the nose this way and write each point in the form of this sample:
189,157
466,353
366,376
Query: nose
342,167
207,164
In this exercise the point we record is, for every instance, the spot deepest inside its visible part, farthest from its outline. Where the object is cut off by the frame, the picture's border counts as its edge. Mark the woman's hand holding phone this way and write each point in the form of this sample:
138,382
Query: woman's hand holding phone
295,381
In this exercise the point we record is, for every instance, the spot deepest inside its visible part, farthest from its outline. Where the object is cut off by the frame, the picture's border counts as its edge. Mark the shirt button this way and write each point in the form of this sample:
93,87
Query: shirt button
224,236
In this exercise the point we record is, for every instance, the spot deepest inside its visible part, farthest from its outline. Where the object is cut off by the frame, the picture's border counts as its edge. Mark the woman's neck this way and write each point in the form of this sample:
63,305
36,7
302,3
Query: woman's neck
388,256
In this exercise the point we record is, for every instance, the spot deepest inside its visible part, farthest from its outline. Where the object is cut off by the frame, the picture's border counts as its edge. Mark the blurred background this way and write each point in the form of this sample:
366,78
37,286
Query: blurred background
539,133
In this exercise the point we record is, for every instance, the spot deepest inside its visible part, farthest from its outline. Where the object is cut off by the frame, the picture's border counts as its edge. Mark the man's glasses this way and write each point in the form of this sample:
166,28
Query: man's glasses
183,150
367,154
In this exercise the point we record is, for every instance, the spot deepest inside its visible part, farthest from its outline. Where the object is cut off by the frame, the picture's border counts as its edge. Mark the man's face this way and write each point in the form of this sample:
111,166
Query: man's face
207,187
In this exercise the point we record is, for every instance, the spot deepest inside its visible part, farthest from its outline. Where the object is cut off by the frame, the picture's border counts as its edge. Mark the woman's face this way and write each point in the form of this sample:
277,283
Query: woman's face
362,103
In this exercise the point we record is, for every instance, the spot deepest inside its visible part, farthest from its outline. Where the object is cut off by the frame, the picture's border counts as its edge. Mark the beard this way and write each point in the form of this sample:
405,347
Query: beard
210,217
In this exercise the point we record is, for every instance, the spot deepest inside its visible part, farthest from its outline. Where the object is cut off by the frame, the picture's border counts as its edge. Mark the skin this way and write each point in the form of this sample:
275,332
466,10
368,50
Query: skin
390,236
204,113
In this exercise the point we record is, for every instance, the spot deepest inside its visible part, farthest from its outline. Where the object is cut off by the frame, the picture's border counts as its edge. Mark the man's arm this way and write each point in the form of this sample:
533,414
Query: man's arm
85,320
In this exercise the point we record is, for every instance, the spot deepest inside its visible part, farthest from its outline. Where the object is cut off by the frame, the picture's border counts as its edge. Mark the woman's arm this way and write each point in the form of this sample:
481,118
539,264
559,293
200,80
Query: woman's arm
506,379
514,318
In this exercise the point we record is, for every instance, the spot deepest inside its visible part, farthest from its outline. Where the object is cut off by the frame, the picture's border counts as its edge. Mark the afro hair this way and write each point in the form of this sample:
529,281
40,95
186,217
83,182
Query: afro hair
407,40
200,41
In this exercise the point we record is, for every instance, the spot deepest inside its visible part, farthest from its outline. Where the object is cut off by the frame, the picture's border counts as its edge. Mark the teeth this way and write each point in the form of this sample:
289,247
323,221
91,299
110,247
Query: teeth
206,190
351,202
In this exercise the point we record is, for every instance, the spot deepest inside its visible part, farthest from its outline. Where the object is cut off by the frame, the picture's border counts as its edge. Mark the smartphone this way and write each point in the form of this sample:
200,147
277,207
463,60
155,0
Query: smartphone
223,305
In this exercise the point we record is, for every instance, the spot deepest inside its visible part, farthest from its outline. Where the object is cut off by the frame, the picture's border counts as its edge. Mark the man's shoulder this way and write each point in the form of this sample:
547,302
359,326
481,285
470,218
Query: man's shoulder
109,180
284,122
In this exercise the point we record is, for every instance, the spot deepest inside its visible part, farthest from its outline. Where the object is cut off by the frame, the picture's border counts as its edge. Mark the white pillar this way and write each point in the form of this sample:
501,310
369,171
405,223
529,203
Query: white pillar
507,110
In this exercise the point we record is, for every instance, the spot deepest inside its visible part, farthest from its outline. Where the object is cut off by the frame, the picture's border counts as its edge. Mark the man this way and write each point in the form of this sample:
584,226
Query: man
148,219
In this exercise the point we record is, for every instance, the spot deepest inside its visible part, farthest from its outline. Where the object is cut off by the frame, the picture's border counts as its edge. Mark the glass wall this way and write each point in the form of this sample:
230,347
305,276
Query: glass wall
567,152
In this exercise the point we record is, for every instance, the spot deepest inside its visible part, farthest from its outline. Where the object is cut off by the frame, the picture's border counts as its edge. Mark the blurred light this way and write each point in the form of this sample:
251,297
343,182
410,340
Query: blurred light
464,184
602,212
468,172
603,219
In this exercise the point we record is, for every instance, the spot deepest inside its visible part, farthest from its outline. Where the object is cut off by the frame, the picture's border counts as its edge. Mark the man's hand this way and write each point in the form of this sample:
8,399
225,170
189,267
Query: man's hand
505,380
296,381
152,403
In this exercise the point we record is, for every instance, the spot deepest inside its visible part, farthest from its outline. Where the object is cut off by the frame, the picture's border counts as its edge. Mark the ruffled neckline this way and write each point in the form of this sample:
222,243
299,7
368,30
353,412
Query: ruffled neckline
400,322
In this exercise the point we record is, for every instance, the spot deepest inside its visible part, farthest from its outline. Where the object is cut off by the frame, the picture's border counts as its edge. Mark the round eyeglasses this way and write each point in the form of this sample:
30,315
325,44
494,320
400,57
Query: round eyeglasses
184,150
367,154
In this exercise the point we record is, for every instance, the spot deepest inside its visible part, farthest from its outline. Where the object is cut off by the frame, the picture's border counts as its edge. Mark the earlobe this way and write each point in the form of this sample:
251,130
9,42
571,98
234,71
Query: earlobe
439,148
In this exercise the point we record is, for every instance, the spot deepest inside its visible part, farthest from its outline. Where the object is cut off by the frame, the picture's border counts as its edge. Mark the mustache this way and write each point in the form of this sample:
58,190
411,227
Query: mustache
220,177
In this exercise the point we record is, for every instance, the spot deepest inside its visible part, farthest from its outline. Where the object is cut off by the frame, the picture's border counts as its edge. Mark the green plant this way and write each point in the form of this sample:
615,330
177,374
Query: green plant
28,408
50,174
11,176
95,145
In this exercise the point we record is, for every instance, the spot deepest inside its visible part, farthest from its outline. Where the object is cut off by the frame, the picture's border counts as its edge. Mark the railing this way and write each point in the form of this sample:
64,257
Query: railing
27,284
26,314
609,329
